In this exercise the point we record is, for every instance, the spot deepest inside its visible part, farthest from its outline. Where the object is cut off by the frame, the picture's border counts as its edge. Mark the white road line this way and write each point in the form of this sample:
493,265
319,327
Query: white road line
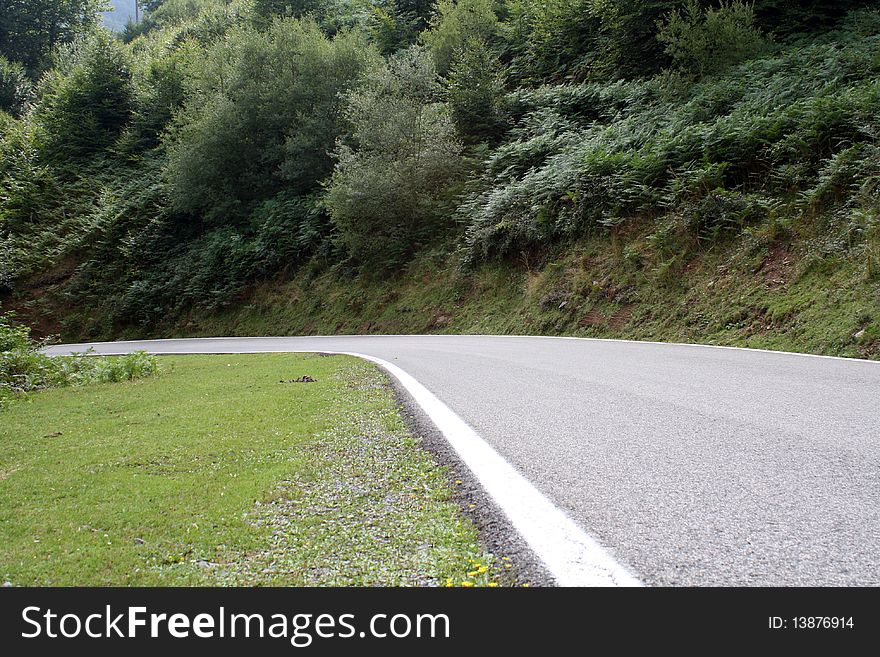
571,556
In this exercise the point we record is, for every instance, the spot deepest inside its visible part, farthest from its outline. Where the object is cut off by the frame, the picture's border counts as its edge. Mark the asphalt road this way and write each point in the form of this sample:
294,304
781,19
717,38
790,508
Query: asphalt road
691,465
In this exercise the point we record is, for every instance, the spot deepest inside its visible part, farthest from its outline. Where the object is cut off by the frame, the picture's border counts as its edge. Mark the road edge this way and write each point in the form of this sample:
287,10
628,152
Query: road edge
570,555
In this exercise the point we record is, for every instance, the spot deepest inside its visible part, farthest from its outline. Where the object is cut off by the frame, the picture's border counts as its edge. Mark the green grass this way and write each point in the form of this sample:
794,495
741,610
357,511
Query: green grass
216,473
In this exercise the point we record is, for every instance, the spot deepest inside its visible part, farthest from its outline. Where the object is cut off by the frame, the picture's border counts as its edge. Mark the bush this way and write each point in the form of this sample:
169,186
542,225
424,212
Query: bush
23,367
207,273
587,156
147,262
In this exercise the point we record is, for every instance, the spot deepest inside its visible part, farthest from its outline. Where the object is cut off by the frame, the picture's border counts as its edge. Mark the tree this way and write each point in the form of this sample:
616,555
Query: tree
791,17
14,86
391,190
264,112
296,8
419,10
160,90
706,41
456,23
627,42
391,30
476,93
83,105
30,30
586,39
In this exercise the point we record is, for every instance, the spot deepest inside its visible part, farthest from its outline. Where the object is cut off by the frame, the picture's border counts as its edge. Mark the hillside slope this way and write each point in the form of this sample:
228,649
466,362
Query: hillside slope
470,166
745,293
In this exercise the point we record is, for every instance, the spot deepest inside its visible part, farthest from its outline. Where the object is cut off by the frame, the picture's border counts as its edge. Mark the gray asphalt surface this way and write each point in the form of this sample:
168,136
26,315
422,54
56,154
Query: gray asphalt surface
692,465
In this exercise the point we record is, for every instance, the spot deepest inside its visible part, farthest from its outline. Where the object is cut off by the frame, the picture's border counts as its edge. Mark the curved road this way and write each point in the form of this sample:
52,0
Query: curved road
691,465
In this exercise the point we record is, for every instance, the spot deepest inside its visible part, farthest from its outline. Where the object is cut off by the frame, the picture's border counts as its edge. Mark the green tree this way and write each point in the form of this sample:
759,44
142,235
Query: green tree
419,10
586,39
476,93
552,38
264,112
160,90
391,191
389,29
787,18
83,105
454,24
706,41
31,199
627,42
266,9
14,86
30,30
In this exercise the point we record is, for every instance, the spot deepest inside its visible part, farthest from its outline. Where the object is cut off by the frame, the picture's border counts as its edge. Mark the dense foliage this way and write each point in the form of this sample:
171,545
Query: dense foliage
220,143
762,141
31,29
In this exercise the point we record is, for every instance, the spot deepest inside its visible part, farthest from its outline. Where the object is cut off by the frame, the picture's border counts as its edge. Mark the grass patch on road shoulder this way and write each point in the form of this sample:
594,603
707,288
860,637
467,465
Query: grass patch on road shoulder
217,473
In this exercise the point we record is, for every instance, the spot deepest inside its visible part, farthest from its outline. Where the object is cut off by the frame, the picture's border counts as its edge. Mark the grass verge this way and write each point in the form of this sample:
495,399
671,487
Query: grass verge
218,474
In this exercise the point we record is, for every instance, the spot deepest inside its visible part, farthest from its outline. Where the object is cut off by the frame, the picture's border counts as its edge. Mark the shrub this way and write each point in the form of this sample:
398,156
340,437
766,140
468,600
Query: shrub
147,262
585,156
23,367
207,272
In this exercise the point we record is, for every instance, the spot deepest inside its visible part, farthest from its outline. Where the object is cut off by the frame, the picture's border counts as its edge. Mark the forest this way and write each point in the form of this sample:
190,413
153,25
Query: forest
397,165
